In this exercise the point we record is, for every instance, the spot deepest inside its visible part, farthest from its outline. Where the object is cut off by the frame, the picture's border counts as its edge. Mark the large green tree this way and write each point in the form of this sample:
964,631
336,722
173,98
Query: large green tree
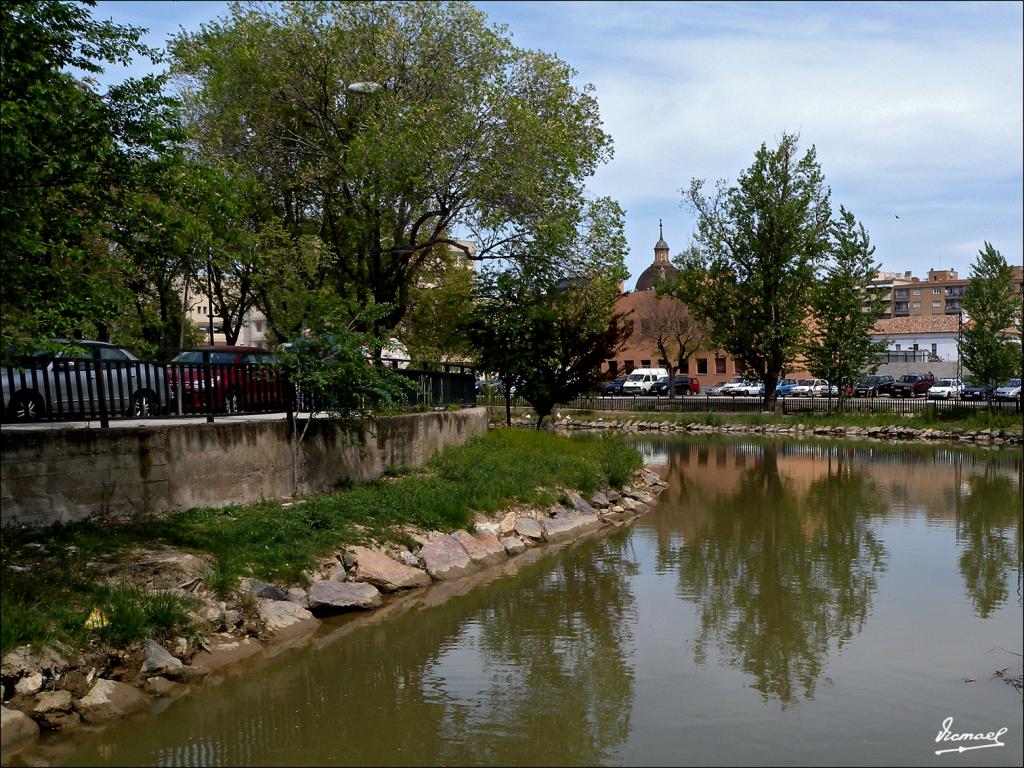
546,332
844,310
467,133
749,274
990,347
69,155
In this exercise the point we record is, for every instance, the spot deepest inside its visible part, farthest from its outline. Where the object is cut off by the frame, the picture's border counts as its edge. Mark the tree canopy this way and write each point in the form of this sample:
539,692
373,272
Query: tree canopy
70,155
844,309
758,243
547,334
993,306
466,132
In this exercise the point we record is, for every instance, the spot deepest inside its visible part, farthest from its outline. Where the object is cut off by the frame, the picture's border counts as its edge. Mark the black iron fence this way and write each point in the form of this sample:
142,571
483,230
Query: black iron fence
788,405
63,389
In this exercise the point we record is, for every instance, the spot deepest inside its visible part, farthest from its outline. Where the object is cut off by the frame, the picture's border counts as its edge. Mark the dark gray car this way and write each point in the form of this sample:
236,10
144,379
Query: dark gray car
64,384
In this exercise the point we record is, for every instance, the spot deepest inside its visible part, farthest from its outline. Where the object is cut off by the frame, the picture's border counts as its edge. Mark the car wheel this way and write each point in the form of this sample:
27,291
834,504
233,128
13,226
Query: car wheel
232,403
26,406
143,404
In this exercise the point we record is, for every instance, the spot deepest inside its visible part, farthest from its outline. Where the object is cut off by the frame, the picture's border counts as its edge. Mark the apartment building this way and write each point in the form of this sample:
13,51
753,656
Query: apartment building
940,294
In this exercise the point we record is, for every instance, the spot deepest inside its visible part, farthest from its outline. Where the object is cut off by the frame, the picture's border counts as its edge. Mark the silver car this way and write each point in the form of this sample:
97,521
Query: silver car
1009,391
65,384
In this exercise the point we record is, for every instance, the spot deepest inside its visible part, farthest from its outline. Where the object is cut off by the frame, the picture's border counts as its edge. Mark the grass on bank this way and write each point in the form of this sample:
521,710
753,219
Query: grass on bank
52,579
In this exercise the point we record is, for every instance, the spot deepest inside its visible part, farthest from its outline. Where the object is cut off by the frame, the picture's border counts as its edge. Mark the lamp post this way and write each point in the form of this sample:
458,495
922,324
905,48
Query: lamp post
209,294
959,344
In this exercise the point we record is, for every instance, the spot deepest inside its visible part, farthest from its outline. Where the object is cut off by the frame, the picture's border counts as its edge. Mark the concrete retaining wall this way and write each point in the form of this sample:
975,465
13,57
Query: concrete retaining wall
59,475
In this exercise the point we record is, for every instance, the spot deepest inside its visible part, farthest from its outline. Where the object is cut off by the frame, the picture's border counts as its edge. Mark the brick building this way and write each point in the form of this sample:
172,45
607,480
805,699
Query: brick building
710,366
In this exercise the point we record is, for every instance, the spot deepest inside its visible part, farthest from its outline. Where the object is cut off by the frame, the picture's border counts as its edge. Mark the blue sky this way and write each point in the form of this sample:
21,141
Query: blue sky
916,109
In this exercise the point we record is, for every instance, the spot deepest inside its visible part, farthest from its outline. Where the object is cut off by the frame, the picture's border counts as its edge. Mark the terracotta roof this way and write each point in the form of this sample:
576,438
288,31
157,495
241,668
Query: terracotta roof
892,326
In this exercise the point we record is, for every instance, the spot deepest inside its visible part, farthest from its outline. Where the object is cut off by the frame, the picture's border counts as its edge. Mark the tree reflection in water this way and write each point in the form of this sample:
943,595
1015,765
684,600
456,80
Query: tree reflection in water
780,572
988,525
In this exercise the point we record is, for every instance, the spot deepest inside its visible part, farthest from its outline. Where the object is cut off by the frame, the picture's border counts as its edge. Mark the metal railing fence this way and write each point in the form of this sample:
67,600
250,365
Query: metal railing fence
83,389
789,405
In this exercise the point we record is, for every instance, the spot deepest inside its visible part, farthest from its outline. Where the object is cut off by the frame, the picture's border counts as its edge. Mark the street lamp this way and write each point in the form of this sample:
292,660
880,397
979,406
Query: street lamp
367,87
959,342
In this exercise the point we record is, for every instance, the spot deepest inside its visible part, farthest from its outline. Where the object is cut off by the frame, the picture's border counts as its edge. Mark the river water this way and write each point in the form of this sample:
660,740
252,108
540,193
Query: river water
799,603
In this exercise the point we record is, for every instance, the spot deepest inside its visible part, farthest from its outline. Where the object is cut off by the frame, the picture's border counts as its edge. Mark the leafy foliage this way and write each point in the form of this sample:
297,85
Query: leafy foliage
844,310
467,131
329,364
993,306
750,272
70,157
546,331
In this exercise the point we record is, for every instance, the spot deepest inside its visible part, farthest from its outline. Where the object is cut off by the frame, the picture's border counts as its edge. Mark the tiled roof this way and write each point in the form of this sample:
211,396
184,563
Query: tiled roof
892,326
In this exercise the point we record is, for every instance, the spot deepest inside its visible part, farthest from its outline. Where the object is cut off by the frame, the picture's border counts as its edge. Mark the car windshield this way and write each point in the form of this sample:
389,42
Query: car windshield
663,379
1012,383
944,383
787,382
635,377
908,377
869,380
193,358
806,382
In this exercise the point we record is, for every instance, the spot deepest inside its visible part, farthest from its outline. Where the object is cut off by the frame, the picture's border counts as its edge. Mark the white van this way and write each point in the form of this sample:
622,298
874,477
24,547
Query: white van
641,380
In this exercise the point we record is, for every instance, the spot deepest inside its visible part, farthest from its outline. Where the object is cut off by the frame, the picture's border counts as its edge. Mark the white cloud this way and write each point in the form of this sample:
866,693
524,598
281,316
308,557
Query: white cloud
913,108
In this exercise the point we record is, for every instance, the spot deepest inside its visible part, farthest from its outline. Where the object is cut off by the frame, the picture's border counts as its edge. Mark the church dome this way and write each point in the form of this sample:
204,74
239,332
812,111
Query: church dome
646,280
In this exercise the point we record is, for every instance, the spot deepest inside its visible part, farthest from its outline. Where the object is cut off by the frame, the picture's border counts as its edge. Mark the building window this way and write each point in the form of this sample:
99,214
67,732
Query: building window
702,365
645,363
936,304
917,291
917,305
897,347
685,367
629,365
719,365
935,350
901,293
613,367
936,291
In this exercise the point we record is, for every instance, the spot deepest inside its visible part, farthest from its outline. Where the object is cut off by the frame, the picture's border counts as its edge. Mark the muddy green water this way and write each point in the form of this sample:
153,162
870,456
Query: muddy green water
784,603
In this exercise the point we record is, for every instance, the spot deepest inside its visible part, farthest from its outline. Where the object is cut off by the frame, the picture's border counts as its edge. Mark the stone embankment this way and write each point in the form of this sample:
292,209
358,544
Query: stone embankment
56,689
892,432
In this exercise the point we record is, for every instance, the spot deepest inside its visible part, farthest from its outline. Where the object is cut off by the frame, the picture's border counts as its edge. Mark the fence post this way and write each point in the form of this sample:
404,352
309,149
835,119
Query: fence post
101,389
208,379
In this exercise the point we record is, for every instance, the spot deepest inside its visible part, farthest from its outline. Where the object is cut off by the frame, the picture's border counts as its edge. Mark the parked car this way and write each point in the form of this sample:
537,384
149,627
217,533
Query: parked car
241,379
810,388
748,388
683,385
1009,391
614,387
783,387
640,380
977,391
63,383
945,389
912,385
715,389
874,386
734,383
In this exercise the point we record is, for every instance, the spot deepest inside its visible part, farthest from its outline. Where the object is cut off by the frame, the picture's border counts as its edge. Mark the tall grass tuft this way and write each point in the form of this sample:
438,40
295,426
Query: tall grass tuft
618,460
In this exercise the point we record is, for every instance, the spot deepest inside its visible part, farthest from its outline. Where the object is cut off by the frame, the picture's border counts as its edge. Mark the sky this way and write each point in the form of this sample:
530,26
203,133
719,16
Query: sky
916,110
